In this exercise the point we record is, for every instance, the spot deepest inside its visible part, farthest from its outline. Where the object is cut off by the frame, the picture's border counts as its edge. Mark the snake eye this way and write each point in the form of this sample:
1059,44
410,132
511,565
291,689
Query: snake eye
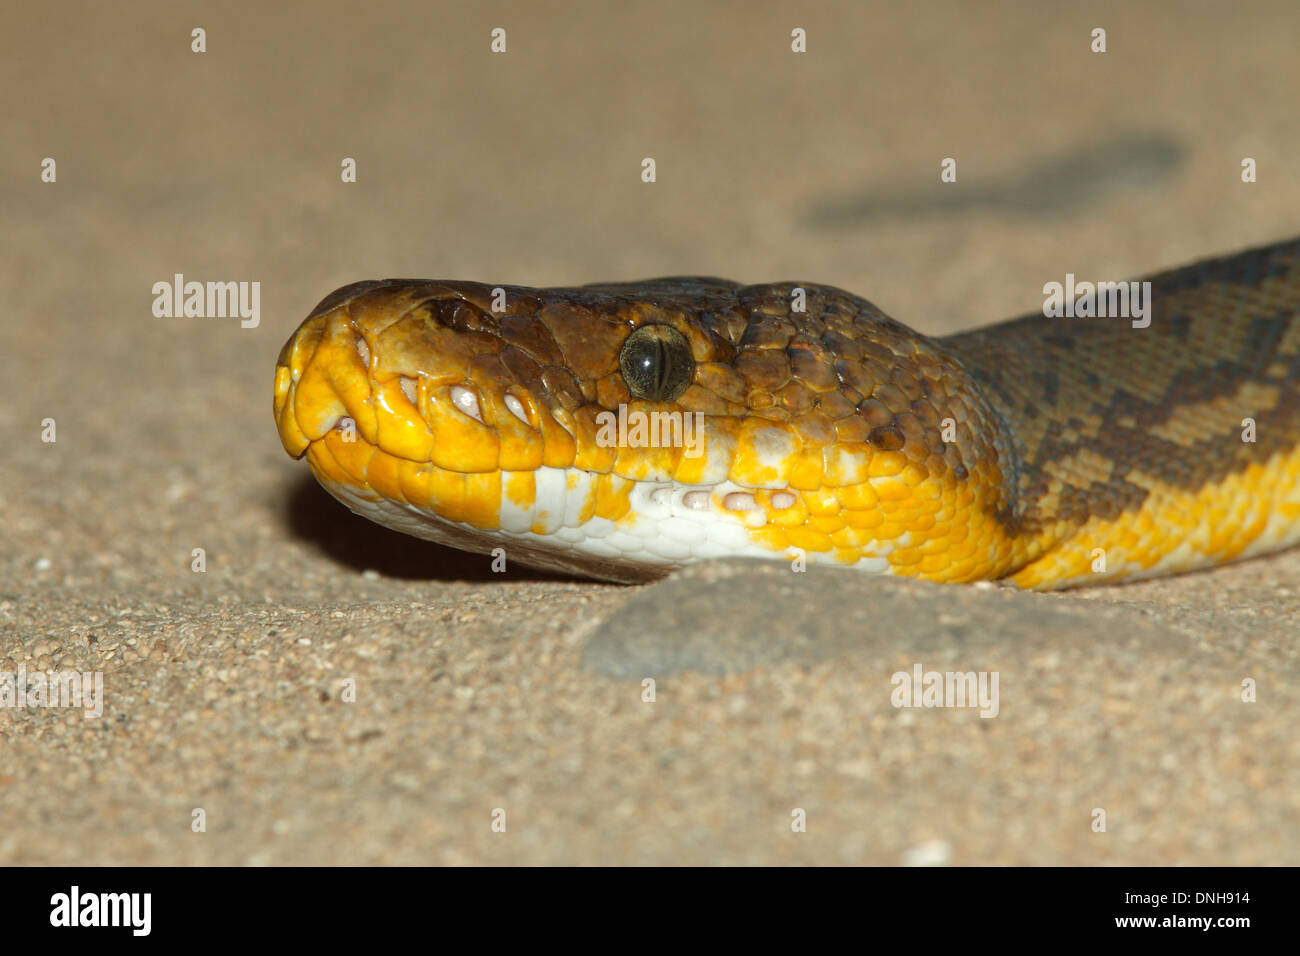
656,363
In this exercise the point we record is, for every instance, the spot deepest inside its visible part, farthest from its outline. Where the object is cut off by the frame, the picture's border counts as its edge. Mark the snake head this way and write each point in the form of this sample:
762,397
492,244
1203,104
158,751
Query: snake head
622,430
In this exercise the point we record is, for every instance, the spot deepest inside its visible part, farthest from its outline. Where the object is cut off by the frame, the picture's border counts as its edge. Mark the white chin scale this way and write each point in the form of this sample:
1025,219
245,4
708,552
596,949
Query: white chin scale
668,526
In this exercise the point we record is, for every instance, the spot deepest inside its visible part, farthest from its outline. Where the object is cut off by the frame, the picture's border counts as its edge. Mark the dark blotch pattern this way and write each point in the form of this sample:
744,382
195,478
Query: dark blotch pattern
1164,402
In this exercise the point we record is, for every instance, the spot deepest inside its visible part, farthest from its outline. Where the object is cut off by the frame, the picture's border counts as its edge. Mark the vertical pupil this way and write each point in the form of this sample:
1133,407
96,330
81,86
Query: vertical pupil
661,369
656,363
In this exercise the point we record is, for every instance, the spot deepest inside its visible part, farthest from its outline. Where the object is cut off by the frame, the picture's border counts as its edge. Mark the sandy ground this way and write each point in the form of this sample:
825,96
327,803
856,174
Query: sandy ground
223,690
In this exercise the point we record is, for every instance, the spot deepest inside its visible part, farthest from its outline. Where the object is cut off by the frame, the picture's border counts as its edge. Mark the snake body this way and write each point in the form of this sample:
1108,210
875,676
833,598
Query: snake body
1050,452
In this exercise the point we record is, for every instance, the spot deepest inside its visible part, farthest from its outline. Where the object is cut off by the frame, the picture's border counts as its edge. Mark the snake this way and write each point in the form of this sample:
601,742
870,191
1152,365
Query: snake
619,431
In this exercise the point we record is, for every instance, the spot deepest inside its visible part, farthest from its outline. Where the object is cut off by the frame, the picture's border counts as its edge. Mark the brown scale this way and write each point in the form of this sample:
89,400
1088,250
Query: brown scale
1070,385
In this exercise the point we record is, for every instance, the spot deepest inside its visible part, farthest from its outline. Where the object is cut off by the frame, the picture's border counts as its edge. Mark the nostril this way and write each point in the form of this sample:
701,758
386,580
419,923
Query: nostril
409,389
467,401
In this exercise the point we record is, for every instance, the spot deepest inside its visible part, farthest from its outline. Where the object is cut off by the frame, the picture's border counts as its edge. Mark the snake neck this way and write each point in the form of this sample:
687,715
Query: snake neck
1133,440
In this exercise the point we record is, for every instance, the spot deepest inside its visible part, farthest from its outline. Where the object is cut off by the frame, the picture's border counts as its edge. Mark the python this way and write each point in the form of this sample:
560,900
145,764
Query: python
823,427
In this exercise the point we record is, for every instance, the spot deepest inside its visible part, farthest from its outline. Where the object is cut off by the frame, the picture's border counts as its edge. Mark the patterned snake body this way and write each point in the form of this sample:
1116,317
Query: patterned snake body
1050,452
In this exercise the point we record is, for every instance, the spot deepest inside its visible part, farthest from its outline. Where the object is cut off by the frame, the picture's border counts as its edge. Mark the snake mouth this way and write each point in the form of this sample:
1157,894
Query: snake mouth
567,519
